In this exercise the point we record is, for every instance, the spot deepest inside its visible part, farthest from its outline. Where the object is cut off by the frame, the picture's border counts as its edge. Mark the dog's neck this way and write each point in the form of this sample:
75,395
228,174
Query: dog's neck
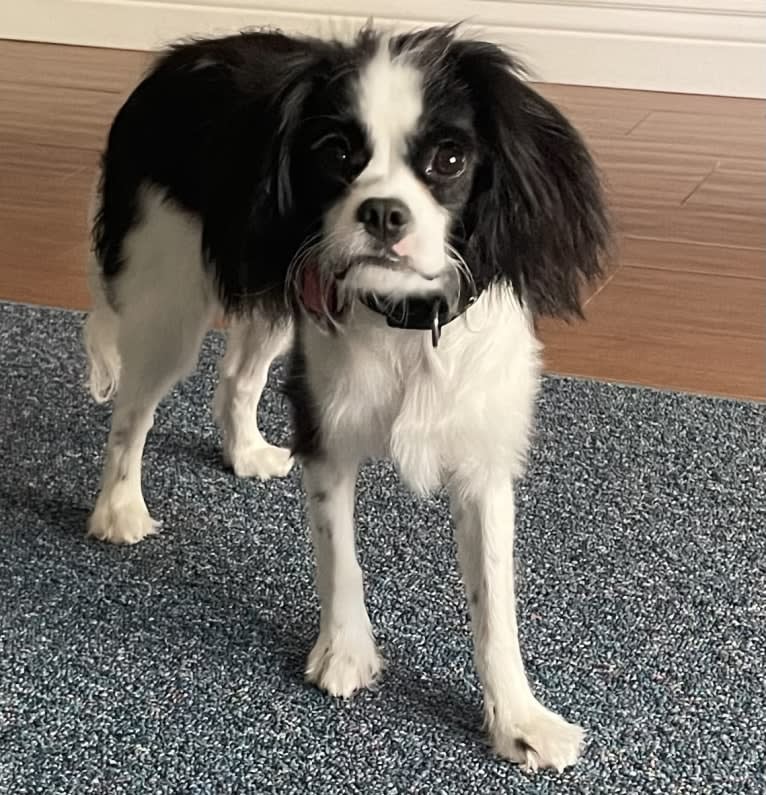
419,313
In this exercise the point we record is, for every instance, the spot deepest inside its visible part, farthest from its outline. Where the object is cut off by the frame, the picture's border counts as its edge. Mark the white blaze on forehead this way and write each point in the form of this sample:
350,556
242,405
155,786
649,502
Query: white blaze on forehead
390,104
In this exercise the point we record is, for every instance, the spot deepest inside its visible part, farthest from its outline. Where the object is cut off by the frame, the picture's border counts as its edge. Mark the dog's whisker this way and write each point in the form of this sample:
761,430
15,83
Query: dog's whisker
457,261
270,144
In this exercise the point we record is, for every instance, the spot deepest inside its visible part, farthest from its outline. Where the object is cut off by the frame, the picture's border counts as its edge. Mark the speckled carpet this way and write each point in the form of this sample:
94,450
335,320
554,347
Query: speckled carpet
176,665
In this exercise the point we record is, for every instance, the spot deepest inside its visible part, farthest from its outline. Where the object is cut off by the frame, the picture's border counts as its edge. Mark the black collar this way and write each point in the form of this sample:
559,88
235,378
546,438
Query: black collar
428,313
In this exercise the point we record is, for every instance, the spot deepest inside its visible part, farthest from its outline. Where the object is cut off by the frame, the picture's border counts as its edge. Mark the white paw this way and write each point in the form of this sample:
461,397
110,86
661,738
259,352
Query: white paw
542,739
120,522
341,664
264,462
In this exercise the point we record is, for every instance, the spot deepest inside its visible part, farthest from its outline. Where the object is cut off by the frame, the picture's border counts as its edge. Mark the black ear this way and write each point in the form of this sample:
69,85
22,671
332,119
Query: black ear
537,216
290,103
248,222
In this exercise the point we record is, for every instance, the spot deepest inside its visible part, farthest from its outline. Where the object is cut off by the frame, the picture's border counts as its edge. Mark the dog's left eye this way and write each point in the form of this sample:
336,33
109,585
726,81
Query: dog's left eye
448,161
332,152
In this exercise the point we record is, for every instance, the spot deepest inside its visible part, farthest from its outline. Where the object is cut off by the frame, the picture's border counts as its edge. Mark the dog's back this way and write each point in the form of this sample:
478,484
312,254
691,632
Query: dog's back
192,134
384,191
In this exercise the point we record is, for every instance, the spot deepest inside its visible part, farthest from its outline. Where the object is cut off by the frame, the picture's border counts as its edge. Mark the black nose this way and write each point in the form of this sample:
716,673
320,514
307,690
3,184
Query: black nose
385,219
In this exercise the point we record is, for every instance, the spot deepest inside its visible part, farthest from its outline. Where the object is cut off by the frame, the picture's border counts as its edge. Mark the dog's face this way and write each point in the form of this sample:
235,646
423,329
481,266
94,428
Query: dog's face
423,164
406,176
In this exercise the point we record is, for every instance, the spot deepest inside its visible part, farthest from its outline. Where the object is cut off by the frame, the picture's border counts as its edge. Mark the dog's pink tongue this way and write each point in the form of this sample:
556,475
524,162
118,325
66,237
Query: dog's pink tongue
311,292
405,246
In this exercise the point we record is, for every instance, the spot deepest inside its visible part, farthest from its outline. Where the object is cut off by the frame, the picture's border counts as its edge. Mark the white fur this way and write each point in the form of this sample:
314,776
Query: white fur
393,283
520,727
461,416
385,391
390,103
165,305
458,416
251,348
101,327
344,658
100,340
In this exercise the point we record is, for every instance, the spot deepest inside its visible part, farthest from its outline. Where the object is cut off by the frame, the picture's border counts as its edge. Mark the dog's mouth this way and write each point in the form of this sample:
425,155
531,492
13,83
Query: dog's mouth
319,293
385,260
326,295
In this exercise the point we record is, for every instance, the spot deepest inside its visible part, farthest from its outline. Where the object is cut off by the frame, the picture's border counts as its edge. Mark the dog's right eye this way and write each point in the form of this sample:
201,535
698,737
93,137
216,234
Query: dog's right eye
332,153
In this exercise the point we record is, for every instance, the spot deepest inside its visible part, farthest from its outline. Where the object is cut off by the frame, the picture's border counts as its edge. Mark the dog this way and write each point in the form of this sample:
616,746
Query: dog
394,211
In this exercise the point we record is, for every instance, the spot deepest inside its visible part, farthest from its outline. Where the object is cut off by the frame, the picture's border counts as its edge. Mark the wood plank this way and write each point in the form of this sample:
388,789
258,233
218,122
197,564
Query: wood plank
693,258
47,179
43,274
685,331
742,164
633,154
54,116
716,227
44,195
704,133
91,68
629,186
619,98
595,120
683,307
737,191
637,172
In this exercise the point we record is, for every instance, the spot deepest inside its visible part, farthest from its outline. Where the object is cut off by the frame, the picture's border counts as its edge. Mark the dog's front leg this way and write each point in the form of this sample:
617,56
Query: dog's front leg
521,728
344,658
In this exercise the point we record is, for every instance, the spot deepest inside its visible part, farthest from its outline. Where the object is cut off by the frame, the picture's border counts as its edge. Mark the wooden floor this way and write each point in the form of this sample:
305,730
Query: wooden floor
684,308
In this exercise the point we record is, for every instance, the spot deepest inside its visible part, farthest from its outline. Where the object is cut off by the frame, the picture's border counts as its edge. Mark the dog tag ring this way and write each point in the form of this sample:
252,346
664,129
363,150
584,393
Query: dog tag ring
436,328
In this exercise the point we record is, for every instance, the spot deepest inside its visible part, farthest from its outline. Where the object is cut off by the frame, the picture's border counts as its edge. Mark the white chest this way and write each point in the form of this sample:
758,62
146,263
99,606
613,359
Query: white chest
387,393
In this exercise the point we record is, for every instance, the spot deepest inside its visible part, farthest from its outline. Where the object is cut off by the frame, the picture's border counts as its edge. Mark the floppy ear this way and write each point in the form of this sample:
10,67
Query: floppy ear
537,216
247,231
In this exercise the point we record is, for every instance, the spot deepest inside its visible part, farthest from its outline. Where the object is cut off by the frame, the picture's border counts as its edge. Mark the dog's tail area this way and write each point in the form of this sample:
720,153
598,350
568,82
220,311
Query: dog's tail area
100,341
99,335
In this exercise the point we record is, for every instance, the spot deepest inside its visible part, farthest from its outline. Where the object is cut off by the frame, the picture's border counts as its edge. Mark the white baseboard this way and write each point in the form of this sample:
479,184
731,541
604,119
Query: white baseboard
691,46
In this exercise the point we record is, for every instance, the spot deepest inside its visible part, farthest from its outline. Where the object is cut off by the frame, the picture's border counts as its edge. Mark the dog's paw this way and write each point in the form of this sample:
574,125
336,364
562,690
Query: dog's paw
541,740
264,462
341,664
121,522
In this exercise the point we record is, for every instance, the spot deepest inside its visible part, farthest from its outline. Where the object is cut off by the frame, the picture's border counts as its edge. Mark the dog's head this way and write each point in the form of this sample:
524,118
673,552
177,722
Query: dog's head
423,163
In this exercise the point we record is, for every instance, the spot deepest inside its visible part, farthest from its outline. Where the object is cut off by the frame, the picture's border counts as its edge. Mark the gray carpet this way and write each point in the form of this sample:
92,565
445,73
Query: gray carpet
175,666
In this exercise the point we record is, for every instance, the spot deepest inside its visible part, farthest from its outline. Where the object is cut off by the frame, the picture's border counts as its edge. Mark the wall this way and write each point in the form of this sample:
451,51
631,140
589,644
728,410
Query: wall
703,46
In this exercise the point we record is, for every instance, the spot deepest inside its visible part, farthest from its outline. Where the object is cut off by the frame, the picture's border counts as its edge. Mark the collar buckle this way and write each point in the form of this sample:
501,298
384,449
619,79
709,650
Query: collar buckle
436,323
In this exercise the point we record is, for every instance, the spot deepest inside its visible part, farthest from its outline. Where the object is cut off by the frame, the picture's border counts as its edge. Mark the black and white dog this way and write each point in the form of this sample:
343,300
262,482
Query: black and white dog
395,210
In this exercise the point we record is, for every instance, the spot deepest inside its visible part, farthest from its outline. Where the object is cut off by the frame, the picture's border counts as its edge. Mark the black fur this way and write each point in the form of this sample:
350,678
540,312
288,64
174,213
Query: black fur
215,124
537,215
307,439
223,126
227,128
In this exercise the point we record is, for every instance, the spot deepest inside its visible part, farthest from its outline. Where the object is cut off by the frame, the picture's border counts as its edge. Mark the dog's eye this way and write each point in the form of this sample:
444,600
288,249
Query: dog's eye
332,152
448,161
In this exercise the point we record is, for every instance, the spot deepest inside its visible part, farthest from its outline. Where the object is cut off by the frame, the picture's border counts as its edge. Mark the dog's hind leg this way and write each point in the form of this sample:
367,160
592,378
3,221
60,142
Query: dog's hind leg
164,306
252,346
